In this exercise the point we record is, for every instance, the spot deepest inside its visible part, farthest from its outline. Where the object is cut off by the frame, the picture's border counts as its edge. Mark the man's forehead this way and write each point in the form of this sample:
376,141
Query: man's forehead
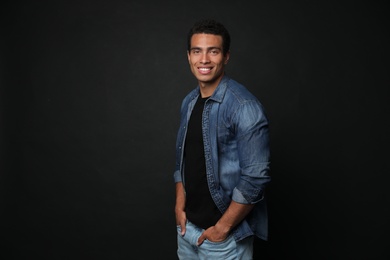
206,40
206,35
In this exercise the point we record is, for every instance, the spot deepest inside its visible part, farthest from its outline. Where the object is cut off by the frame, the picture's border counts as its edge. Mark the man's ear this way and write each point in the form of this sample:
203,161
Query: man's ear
227,57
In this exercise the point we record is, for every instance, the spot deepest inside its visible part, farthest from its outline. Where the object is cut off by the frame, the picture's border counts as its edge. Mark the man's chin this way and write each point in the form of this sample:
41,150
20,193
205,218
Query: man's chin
205,78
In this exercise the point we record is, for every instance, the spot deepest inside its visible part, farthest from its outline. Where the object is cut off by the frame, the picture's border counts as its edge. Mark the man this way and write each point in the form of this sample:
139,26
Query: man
222,156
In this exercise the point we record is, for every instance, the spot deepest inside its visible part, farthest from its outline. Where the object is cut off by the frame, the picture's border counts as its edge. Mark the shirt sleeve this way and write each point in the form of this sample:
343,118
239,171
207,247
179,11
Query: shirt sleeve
252,132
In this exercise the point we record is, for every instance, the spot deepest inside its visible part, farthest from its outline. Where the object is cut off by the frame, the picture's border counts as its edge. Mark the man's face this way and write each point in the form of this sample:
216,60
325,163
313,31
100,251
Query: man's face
206,59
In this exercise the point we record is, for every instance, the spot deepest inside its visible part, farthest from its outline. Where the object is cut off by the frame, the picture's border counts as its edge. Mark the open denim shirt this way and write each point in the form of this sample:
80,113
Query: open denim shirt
237,154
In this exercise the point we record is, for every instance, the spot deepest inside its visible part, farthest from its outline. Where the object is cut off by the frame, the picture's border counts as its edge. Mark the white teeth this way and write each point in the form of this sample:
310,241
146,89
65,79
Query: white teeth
204,69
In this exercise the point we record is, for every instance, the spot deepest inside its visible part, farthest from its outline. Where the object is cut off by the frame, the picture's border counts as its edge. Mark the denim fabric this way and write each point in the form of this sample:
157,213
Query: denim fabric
236,143
228,249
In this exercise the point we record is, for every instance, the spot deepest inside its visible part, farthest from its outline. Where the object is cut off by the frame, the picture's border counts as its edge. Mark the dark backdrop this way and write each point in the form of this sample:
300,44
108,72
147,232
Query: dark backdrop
90,102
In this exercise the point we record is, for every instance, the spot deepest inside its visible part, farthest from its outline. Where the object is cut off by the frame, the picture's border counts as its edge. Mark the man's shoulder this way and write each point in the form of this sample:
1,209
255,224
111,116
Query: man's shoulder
190,95
239,91
193,93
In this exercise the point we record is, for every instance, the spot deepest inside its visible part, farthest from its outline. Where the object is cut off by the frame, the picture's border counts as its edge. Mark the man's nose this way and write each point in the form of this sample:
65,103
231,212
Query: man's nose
204,58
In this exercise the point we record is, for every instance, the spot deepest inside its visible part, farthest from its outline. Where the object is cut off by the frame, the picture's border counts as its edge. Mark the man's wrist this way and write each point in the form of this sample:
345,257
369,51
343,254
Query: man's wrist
179,209
223,227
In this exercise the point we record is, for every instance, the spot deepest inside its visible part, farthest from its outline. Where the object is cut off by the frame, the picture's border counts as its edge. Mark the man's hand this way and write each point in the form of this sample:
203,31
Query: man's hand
213,234
235,213
181,217
181,220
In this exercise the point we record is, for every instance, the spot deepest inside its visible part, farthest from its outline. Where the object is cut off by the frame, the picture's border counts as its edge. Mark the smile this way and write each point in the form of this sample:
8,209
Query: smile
204,70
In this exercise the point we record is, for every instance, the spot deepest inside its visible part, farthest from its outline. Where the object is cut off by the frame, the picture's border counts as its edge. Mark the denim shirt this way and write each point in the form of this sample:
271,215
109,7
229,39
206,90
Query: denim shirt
237,154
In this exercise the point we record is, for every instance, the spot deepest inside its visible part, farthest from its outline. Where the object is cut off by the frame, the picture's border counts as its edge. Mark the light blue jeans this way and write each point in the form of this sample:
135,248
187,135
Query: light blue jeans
228,249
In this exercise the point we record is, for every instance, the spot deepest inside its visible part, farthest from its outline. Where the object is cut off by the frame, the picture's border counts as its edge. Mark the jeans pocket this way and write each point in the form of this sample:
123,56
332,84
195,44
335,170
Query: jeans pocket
222,243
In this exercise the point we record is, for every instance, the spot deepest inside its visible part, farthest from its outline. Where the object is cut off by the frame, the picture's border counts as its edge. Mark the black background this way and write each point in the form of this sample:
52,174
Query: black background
90,102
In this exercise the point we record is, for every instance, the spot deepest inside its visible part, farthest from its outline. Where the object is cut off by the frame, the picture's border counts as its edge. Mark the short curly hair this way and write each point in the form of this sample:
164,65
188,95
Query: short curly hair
210,26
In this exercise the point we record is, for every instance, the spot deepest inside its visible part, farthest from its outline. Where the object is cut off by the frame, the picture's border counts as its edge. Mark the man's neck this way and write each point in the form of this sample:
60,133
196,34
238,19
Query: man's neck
207,89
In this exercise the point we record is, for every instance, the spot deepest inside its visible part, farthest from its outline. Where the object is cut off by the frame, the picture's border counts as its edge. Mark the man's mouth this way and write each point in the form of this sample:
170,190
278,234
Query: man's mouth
204,70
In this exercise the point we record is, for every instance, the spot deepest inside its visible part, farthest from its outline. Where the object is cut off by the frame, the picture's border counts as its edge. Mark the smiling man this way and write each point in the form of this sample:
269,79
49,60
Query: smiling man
207,61
222,156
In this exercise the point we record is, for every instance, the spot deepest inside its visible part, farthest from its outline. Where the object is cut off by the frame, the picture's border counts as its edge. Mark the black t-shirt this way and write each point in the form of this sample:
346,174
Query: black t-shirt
200,207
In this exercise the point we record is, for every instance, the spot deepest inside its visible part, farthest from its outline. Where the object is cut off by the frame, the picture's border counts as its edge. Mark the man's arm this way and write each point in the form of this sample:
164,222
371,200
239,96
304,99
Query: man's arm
180,207
235,213
253,154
